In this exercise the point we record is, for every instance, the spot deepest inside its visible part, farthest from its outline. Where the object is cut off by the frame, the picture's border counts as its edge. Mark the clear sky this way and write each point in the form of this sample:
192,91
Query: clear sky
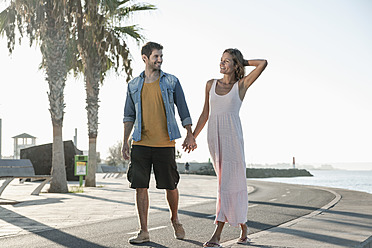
313,101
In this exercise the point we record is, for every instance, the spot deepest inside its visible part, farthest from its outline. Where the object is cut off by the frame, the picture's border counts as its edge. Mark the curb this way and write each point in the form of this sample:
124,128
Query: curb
293,222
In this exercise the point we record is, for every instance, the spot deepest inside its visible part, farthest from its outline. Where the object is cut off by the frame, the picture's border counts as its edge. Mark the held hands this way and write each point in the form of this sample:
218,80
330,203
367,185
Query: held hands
190,143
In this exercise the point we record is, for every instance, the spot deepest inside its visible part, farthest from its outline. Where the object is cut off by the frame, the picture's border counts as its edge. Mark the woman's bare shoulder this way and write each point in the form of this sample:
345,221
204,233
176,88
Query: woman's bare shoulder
210,82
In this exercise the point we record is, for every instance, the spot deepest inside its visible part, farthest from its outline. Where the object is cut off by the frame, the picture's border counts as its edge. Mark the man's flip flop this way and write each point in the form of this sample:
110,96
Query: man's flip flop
244,241
212,244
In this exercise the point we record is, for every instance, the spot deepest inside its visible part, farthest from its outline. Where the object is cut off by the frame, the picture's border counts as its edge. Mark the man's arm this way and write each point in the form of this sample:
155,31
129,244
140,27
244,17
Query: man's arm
180,102
128,126
183,111
129,108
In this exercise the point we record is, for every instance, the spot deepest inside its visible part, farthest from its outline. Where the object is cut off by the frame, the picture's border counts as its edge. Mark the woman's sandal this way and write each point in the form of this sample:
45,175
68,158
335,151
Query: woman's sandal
212,244
244,241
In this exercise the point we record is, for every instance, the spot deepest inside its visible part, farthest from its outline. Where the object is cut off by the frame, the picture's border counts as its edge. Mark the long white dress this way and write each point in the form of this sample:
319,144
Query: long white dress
226,146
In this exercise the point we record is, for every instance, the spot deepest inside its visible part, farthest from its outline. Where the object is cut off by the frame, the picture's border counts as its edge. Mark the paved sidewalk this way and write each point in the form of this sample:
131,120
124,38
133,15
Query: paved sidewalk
111,199
345,222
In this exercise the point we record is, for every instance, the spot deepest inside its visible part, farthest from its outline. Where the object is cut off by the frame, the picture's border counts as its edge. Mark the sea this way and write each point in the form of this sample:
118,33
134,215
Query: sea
345,179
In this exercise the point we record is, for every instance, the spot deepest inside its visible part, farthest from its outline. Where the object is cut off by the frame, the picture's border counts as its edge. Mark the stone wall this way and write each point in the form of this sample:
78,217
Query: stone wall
41,158
207,169
264,173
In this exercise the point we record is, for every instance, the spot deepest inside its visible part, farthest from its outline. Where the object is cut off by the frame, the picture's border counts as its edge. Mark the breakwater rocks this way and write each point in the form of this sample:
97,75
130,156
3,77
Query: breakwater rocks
207,169
266,172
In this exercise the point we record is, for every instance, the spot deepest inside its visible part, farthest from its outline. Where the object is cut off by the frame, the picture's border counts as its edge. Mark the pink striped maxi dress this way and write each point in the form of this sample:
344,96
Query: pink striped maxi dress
226,146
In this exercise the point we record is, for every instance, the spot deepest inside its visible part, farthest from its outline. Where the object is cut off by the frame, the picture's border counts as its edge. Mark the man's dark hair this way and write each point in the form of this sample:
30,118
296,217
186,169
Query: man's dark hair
149,47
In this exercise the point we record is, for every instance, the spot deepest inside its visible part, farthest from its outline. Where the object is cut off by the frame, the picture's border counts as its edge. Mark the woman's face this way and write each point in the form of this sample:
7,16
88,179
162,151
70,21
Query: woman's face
227,64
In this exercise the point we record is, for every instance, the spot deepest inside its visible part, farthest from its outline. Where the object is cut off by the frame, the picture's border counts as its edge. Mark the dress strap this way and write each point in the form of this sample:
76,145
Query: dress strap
213,88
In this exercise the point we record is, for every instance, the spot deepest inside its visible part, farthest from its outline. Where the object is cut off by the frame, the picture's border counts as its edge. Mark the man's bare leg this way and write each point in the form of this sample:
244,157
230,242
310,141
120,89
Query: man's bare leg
173,198
142,202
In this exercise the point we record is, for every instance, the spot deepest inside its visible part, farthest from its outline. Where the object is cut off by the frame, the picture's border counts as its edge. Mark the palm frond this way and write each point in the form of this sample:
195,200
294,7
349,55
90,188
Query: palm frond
112,5
132,31
3,20
126,11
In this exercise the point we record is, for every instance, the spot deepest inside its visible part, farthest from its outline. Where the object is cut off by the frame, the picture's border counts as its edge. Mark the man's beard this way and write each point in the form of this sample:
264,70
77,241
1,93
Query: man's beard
156,67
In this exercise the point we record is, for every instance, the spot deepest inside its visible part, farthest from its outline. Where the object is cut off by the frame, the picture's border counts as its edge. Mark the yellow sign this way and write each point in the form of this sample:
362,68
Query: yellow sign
81,168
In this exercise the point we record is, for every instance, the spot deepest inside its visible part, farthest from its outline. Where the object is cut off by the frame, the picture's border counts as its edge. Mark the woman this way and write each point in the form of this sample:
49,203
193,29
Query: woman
225,140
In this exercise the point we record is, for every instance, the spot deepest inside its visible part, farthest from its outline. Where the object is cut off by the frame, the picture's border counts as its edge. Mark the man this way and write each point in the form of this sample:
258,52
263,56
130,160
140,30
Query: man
187,167
149,107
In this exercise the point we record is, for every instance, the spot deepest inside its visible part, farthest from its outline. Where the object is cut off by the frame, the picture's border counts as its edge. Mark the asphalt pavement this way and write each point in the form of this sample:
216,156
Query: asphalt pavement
280,215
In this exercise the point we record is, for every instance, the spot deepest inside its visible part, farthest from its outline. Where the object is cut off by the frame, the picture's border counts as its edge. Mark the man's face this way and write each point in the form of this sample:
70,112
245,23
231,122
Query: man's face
155,60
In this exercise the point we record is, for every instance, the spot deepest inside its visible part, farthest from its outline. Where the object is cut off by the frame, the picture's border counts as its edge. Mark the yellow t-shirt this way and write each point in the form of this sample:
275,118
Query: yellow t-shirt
154,131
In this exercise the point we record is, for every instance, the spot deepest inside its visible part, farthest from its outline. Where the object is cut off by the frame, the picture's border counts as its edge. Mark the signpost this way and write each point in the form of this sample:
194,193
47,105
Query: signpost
81,165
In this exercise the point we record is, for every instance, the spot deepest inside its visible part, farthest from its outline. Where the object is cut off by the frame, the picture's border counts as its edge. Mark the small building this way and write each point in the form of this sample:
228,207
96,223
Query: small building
22,141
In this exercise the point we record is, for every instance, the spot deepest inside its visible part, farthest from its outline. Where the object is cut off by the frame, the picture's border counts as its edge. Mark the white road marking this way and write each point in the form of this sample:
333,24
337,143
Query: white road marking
252,206
151,229
211,216
284,195
274,199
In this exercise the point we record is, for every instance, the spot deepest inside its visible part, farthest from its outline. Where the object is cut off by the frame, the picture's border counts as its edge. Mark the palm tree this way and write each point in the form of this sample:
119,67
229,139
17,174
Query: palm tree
44,22
101,46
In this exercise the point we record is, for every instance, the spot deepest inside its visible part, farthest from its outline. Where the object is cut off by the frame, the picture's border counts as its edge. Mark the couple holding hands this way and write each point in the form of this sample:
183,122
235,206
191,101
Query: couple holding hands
149,109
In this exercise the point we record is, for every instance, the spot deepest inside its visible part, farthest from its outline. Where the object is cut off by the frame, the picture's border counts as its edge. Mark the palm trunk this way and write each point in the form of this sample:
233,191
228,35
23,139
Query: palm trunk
54,50
58,183
90,180
92,79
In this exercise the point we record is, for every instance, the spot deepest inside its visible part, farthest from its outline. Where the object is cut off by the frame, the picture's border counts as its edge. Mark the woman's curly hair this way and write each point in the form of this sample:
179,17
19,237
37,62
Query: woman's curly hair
238,60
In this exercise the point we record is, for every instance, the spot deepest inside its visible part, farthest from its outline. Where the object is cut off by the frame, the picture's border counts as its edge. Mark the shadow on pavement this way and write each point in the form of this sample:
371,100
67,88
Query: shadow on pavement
317,236
359,225
351,214
200,197
258,226
47,232
180,211
115,190
284,205
149,244
105,199
39,202
194,242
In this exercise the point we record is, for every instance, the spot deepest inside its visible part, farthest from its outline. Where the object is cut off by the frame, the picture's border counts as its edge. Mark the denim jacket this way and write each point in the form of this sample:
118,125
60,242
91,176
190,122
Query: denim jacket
172,94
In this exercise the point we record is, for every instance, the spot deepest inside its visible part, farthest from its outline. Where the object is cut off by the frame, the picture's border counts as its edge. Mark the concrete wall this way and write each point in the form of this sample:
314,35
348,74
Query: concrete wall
194,167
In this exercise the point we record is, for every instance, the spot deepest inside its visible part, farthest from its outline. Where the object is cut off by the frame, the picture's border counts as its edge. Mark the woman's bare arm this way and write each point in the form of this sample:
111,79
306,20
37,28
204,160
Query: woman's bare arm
205,113
248,80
